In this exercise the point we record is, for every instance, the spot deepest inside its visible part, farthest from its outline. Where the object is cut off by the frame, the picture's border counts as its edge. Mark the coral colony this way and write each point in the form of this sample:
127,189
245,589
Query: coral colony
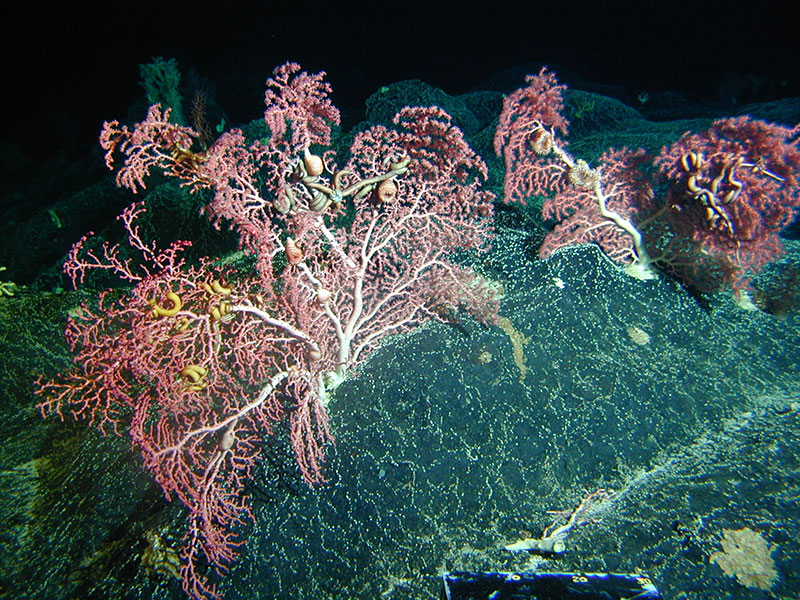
199,362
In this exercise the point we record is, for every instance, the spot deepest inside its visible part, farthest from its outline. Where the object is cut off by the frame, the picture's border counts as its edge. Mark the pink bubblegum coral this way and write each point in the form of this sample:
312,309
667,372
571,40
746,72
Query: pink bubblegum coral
730,190
153,143
299,101
530,120
733,188
199,362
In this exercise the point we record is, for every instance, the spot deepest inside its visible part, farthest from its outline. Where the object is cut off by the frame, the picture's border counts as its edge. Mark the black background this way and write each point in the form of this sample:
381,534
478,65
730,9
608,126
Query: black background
69,67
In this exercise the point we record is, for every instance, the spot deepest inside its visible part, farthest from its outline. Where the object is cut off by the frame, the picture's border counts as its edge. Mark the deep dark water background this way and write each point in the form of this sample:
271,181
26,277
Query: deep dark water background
698,429
72,65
